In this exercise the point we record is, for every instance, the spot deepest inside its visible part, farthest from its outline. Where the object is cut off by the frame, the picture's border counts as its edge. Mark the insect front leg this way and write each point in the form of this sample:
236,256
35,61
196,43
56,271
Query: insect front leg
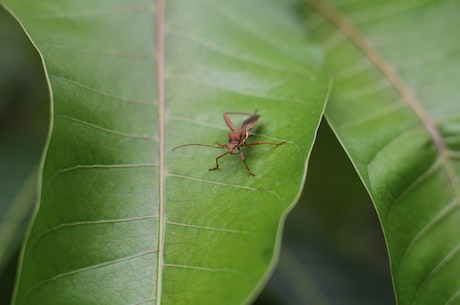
217,160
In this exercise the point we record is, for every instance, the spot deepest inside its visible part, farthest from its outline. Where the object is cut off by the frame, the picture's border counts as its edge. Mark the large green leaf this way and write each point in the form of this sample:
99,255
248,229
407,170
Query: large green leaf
121,219
395,108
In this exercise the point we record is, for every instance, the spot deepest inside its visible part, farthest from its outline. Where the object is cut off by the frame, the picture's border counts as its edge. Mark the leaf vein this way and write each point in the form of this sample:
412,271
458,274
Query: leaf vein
442,263
197,122
87,268
98,12
375,115
99,166
90,222
454,297
107,130
243,24
210,228
366,90
424,177
353,69
207,269
400,137
114,53
146,300
105,94
106,166
239,56
446,211
232,90
224,184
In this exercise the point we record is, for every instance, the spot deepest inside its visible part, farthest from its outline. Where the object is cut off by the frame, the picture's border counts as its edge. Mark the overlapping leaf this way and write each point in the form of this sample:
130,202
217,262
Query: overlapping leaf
395,109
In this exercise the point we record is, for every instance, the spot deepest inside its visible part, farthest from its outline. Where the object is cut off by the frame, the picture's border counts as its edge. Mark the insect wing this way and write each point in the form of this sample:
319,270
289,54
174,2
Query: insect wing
250,122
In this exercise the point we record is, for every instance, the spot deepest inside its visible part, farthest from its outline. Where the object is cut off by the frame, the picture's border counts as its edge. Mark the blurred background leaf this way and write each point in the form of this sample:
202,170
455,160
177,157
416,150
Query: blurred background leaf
395,109
333,249
24,116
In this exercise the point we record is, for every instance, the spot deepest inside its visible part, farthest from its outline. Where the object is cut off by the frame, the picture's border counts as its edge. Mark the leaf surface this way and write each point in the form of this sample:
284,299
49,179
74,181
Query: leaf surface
395,109
122,219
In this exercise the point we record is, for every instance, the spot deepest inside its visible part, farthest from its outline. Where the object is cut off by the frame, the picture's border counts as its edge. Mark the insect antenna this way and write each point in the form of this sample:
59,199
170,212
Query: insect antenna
184,145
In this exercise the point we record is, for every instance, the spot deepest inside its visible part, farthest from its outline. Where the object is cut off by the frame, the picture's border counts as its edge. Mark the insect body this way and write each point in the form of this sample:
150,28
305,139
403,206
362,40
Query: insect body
237,139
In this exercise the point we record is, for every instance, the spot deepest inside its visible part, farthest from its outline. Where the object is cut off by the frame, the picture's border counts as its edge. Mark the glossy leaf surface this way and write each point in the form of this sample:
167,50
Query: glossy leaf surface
122,219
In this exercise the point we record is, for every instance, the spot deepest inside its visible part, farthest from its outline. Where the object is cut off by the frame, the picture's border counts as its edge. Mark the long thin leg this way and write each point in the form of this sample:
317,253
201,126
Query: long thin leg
217,160
228,122
240,112
227,119
245,164
259,143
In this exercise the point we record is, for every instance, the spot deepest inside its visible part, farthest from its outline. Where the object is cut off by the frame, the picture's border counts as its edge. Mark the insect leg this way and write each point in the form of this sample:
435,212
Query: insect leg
260,143
228,122
245,164
252,120
217,160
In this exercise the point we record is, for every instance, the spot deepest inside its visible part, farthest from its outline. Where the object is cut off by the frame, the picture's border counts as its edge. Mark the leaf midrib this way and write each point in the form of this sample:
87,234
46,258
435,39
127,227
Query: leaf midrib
382,64
160,48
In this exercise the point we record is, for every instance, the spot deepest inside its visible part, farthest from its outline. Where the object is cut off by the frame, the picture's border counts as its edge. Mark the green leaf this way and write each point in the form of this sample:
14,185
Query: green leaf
395,109
122,219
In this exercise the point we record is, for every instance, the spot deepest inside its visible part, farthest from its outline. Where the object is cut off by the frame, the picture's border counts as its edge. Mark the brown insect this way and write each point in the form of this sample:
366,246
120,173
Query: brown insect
236,139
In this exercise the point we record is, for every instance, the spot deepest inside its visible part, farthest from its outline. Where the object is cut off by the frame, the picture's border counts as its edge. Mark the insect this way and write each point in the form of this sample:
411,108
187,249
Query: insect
236,139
